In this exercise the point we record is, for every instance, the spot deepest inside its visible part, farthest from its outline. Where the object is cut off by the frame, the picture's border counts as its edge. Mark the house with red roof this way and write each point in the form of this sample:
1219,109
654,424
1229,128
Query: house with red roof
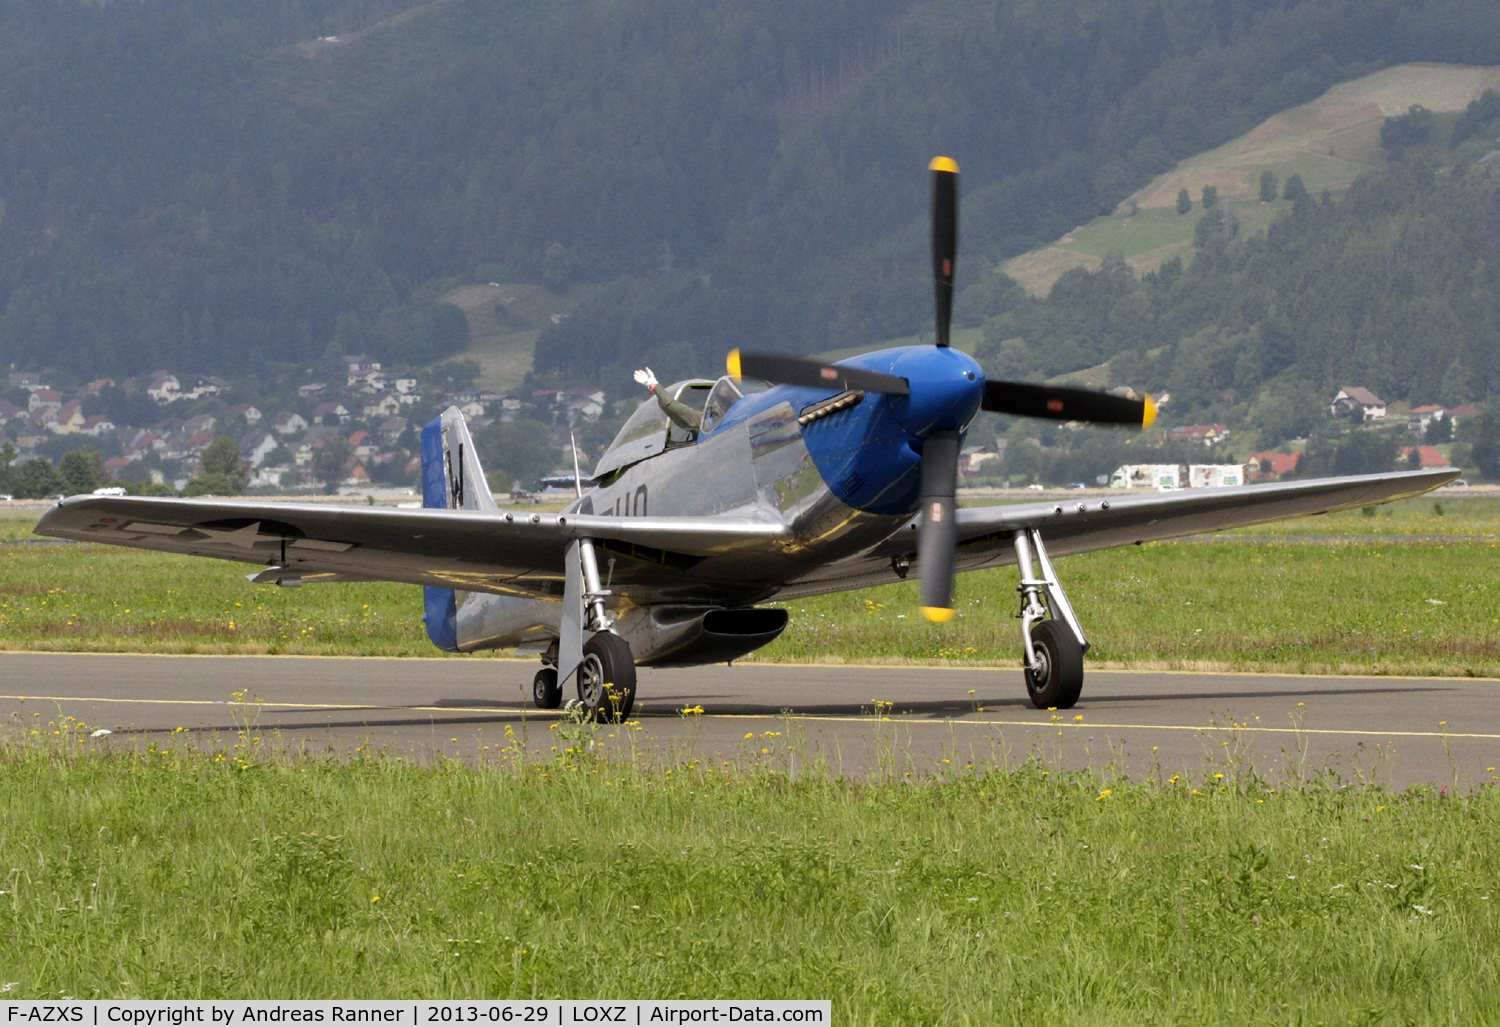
1265,466
1462,410
1202,434
1428,455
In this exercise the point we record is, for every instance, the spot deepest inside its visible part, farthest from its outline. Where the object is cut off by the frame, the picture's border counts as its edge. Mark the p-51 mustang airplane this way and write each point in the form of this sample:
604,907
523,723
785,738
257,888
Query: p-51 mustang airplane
800,478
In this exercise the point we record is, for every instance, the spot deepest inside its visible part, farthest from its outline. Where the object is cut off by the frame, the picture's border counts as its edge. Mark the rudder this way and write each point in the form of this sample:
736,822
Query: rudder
452,479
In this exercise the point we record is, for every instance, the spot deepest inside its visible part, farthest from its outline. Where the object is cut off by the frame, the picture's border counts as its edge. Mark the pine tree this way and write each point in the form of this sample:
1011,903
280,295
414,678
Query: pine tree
1267,187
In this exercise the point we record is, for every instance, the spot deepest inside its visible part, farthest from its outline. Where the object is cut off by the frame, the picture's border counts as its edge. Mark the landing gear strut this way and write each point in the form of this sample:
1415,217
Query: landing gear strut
603,663
1052,648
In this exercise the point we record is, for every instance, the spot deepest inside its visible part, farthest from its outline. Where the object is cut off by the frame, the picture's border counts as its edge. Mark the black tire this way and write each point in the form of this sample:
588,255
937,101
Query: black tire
545,691
606,678
1058,680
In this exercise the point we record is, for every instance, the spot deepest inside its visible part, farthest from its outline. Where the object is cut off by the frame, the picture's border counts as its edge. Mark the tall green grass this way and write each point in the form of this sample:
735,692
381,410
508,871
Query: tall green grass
995,894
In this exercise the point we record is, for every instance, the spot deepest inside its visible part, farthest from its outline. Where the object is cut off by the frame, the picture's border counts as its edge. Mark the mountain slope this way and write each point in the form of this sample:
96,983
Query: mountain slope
208,184
1329,143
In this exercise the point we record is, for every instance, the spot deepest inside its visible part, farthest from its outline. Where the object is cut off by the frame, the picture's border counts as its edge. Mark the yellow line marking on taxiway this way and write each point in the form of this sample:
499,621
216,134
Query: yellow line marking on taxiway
848,665
272,707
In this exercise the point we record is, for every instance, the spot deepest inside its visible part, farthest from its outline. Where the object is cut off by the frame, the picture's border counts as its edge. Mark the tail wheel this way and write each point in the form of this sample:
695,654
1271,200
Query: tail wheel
1057,680
545,691
606,678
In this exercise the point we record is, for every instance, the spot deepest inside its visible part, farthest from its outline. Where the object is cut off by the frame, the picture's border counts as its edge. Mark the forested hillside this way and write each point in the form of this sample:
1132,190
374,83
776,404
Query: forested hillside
1395,286
205,184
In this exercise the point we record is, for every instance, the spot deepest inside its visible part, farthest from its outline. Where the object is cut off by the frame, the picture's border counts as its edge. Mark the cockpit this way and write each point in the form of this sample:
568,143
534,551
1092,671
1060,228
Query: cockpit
650,431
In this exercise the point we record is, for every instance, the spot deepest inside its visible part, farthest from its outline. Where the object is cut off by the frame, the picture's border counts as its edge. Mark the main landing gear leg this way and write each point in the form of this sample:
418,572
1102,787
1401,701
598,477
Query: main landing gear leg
603,663
1051,648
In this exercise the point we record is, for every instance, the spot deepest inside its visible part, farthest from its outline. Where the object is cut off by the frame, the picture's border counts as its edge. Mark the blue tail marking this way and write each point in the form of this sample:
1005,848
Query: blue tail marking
441,605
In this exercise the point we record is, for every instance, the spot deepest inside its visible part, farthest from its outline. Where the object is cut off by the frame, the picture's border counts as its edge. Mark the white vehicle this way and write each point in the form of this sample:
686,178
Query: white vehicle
110,490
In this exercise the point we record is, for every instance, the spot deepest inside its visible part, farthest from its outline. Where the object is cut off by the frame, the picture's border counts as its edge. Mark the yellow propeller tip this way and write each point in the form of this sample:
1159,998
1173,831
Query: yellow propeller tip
1149,417
937,614
947,164
733,363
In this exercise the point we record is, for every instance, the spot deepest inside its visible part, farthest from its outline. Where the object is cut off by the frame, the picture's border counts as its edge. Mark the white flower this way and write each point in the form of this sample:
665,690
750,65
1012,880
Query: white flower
101,733
1423,910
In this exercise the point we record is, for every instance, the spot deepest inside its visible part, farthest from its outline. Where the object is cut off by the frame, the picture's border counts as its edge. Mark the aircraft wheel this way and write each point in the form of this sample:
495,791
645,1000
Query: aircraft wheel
606,678
1058,680
545,691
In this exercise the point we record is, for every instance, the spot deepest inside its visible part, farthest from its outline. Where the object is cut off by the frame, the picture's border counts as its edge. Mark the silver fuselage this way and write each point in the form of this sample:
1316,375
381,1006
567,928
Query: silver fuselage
758,469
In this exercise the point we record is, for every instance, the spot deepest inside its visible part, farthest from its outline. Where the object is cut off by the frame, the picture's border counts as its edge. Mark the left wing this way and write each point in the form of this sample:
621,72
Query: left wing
985,534
507,552
1080,526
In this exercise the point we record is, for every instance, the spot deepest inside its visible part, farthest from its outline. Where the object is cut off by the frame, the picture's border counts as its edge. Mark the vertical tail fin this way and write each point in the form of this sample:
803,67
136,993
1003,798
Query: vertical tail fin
452,477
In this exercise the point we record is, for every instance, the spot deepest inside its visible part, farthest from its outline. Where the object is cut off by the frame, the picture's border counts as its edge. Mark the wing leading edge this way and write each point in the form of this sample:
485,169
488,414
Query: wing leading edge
986,534
506,552
1079,526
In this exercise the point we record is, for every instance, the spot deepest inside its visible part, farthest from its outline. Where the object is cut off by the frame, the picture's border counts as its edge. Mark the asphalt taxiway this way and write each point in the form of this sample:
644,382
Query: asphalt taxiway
1398,731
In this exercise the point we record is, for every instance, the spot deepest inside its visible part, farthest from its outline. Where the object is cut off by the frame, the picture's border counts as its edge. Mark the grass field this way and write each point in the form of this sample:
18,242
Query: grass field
1392,605
505,320
991,895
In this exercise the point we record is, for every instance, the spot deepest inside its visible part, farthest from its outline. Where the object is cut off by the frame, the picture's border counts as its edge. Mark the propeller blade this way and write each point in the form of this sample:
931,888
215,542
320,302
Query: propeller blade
938,541
1057,403
784,370
944,239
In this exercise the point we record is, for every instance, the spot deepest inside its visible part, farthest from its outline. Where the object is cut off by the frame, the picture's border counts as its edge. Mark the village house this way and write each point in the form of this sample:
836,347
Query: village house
1356,397
9,412
164,388
44,399
203,387
28,380
393,428
200,422
68,421
256,446
251,415
331,413
1201,434
973,458
385,406
1264,466
98,426
1429,456
115,464
1463,410
272,477
288,422
311,389
405,384
361,443
1421,417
